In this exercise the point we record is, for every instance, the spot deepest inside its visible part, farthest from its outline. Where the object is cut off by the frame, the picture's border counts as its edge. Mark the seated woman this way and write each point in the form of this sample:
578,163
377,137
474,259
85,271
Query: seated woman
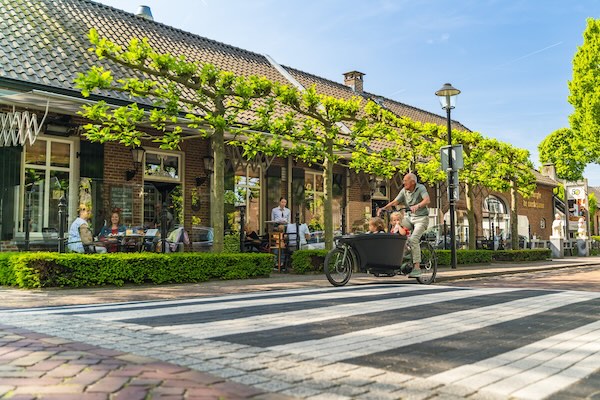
80,234
113,230
252,241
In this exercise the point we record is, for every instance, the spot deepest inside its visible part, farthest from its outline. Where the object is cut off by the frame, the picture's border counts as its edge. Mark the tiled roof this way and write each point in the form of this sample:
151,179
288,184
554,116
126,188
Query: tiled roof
544,180
340,90
44,42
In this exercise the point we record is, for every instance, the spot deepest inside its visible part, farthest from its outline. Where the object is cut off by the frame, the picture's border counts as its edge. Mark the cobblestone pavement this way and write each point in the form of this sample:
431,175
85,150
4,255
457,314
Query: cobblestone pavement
276,339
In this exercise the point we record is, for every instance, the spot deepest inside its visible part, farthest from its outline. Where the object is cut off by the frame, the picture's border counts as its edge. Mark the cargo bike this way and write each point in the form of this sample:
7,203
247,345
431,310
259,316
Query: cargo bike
379,254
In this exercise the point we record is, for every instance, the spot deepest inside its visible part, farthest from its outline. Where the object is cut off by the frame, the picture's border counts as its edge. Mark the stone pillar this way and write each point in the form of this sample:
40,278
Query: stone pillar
557,245
583,248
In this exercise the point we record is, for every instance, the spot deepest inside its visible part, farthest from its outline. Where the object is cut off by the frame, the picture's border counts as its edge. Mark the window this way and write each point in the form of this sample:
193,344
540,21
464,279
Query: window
313,200
162,183
162,166
45,179
495,219
248,191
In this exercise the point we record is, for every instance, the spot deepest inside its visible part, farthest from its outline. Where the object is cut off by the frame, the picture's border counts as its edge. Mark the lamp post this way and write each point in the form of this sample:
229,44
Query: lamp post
447,95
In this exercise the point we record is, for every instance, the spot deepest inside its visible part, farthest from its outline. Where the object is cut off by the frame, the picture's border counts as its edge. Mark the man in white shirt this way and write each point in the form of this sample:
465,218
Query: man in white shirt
304,234
281,214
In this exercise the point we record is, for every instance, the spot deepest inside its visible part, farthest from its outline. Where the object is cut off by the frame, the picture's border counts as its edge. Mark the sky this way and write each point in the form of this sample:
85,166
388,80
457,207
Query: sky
511,59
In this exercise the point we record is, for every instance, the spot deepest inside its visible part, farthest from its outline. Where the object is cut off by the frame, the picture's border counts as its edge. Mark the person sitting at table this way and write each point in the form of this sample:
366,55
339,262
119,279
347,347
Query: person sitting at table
303,233
252,241
80,234
114,229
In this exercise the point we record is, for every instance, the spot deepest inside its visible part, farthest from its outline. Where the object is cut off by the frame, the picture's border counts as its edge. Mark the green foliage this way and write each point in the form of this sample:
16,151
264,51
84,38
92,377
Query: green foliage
585,92
210,99
567,151
522,255
33,270
465,257
487,256
7,272
308,261
231,243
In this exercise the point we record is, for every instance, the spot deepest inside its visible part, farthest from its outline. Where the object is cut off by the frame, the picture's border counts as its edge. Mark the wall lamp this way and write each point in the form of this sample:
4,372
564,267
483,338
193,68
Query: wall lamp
137,154
209,164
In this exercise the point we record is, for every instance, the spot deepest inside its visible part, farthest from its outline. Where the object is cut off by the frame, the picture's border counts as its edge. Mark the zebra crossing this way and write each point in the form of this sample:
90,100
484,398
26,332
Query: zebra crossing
364,342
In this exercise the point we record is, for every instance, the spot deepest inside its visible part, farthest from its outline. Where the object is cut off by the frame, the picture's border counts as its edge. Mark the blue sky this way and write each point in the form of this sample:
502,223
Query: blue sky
511,59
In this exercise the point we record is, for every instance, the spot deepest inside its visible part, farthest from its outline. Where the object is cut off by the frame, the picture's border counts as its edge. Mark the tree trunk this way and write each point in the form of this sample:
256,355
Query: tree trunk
514,219
218,189
327,201
470,200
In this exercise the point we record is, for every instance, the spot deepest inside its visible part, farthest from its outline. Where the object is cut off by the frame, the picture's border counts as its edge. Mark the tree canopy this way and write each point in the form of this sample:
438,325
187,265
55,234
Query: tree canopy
585,91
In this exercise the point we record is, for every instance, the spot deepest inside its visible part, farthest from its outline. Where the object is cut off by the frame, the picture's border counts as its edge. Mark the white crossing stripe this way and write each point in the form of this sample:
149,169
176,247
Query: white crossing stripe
258,323
251,302
350,291
534,371
383,338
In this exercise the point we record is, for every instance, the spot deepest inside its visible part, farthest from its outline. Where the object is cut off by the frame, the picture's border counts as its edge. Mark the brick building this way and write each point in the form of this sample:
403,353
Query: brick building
43,45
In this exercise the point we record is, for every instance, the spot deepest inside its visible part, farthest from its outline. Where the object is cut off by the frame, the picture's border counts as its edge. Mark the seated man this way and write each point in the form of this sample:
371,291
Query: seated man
80,234
176,240
303,233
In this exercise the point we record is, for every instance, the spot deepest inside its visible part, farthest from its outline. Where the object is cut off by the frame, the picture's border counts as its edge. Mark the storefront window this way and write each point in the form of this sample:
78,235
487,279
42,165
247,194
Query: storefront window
162,184
46,178
161,165
248,192
36,154
60,154
495,218
313,200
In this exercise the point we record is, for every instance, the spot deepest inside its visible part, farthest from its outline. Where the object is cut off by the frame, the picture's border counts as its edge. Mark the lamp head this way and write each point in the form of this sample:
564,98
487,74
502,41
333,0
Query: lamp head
447,95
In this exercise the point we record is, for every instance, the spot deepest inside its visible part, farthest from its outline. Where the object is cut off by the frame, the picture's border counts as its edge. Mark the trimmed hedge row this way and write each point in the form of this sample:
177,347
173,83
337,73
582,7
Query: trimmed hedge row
311,261
34,270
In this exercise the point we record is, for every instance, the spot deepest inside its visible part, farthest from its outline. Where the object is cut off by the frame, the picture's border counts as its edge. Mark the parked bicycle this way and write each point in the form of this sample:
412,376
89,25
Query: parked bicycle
380,254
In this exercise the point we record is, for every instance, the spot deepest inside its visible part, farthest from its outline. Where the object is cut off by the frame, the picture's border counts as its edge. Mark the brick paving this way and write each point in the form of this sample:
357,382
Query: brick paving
38,366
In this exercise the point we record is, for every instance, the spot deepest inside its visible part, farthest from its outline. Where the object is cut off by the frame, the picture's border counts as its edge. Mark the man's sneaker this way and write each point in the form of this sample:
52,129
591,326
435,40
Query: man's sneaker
415,273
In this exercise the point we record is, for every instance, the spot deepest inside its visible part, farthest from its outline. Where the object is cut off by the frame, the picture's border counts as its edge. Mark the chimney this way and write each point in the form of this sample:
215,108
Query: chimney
550,171
144,12
354,80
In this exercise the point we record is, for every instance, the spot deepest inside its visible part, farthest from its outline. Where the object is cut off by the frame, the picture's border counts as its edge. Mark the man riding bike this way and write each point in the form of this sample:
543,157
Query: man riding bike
414,196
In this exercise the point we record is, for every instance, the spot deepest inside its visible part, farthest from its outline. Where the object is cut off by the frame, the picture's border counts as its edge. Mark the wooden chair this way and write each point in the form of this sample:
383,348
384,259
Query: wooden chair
277,246
292,243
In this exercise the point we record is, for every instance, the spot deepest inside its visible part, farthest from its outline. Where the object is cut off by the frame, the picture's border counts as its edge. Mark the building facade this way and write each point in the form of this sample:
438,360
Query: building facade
43,46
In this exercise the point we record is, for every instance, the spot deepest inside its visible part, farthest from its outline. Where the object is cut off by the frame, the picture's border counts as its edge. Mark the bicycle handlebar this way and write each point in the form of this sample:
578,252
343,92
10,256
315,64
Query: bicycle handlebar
382,211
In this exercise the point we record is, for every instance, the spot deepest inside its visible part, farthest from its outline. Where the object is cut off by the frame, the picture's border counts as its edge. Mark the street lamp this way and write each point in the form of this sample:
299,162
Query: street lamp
447,95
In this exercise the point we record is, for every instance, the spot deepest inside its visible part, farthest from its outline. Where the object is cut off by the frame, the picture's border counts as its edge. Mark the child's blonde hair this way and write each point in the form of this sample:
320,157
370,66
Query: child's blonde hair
396,214
377,223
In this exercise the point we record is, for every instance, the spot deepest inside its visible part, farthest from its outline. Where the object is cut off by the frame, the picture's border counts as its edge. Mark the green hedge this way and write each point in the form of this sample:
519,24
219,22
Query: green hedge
522,255
32,270
311,261
308,261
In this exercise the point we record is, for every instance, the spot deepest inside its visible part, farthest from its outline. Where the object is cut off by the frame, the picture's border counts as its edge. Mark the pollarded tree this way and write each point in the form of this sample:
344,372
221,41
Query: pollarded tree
200,96
567,152
585,92
320,129
507,168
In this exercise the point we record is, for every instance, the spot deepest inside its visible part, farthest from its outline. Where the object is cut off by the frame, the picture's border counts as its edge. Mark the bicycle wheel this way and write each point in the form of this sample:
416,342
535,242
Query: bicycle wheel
338,266
428,263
